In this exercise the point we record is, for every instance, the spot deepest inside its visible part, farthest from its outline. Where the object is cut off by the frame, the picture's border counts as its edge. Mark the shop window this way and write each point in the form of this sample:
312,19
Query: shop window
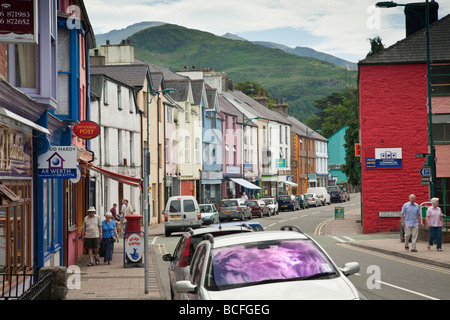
440,79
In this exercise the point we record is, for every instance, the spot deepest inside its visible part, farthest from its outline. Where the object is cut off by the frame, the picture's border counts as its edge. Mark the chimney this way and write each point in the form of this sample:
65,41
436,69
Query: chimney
415,14
262,100
97,59
281,108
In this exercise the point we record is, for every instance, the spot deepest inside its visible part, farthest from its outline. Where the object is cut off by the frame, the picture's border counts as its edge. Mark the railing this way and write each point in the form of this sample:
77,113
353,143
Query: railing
21,282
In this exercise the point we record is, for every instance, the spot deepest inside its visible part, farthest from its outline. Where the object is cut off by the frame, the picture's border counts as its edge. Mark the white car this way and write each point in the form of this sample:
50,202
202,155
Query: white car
272,204
269,265
313,199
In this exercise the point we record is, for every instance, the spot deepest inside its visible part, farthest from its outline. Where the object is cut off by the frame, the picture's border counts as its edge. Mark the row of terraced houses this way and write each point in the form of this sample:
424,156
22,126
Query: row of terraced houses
205,138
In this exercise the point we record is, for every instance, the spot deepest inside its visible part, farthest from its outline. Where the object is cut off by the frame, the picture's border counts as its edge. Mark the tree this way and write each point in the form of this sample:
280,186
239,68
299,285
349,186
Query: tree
251,89
376,46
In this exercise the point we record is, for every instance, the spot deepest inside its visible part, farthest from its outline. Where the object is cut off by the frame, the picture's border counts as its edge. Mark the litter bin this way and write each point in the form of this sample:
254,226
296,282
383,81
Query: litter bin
339,213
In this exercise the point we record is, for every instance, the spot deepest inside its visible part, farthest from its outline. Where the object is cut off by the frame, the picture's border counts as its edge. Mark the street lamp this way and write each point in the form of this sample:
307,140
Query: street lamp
146,179
431,160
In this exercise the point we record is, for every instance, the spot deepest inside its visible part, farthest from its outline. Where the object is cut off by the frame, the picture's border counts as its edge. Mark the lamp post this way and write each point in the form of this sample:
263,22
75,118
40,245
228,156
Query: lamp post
431,160
146,179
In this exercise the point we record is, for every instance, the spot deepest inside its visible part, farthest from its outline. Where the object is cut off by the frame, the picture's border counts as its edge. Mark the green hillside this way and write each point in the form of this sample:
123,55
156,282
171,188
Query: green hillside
298,80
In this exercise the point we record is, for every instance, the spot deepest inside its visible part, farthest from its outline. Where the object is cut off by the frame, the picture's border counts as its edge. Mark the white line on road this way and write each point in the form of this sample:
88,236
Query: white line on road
338,239
305,215
154,240
407,290
348,238
293,218
271,225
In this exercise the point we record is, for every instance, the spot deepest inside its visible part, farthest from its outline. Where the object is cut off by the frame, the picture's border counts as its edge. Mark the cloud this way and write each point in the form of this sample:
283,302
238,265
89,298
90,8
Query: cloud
340,27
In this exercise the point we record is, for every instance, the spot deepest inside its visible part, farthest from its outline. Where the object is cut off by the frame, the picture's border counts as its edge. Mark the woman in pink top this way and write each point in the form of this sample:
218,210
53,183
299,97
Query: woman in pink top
435,221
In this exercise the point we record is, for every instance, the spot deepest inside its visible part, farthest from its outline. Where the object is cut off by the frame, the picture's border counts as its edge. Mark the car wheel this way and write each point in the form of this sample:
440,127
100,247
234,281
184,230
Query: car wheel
167,233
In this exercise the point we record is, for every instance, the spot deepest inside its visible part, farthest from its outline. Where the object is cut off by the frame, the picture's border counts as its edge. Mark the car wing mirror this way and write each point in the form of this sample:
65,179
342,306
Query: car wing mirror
185,287
350,268
167,257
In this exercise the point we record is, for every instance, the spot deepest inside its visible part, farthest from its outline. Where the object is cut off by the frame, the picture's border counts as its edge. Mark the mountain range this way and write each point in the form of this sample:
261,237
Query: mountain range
298,80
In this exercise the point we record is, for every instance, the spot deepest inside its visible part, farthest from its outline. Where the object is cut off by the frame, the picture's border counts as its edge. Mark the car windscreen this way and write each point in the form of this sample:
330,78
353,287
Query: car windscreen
251,203
285,198
273,261
268,201
205,208
228,203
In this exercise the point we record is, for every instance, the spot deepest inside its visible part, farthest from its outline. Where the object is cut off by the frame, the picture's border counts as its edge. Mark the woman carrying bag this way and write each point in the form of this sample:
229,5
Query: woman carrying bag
109,237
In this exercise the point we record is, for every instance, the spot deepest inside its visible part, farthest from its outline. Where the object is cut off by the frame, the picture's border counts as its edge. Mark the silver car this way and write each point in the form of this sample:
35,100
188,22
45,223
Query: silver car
182,255
313,199
230,209
269,265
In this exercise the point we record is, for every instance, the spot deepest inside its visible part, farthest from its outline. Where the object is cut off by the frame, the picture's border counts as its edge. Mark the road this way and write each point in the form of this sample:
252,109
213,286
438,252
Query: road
382,276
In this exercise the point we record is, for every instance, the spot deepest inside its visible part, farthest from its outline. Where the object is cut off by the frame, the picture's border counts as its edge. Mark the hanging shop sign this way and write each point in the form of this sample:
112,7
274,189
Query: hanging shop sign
18,21
59,162
86,130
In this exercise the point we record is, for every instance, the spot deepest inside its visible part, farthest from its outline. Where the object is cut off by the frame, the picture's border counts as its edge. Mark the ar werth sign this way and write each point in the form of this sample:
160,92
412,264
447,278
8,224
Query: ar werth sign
58,163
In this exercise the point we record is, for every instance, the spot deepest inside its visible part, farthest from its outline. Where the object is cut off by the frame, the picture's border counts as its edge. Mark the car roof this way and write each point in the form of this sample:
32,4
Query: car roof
216,229
240,239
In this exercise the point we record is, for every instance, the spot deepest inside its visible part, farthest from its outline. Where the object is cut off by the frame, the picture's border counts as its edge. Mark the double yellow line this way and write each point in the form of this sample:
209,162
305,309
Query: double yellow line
321,225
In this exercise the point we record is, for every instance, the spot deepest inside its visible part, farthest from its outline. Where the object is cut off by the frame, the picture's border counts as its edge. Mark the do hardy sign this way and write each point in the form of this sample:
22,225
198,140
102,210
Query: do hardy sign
59,162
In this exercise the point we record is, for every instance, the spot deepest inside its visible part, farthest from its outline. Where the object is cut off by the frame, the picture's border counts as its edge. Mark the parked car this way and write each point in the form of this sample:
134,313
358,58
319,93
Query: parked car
272,204
182,255
322,193
313,199
234,209
209,213
181,212
338,194
258,208
288,203
302,201
255,225
269,265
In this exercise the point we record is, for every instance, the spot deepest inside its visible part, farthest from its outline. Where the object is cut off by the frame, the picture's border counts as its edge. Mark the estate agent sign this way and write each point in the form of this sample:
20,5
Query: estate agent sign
18,21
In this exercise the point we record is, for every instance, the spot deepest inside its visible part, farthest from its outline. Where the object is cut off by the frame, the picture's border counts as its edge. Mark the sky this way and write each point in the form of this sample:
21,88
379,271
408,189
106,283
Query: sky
338,27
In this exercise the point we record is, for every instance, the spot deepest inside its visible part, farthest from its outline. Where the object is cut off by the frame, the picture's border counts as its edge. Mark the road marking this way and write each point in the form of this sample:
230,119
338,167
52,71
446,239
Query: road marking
397,259
338,239
348,238
305,215
271,225
154,240
320,226
407,290
293,218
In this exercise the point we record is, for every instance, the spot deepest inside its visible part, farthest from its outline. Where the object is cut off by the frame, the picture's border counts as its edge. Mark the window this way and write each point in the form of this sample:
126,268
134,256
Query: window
198,155
131,100
169,114
187,113
166,146
25,66
105,92
440,79
15,223
187,148
441,132
119,97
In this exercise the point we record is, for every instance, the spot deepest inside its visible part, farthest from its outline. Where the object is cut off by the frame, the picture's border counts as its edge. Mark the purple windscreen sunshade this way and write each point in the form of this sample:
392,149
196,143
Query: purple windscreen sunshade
281,261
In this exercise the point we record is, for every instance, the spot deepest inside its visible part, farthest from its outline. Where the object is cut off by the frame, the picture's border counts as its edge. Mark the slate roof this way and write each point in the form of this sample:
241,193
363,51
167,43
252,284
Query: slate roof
259,109
129,74
413,48
228,108
300,128
181,86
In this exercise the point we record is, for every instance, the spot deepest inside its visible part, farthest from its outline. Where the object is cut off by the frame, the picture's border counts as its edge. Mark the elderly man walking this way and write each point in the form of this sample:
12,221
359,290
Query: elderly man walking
410,219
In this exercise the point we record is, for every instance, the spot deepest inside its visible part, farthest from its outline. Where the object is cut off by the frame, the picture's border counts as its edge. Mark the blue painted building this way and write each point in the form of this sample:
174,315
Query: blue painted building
212,173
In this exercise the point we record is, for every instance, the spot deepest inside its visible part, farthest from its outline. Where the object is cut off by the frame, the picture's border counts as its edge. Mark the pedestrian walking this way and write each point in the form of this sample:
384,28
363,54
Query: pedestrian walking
410,219
435,221
91,235
127,209
109,237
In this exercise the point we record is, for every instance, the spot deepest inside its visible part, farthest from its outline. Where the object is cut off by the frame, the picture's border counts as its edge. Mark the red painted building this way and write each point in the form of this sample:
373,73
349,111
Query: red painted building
394,125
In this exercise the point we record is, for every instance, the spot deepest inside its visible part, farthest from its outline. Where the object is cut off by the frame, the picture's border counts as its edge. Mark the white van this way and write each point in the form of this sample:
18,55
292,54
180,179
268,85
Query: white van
322,193
181,212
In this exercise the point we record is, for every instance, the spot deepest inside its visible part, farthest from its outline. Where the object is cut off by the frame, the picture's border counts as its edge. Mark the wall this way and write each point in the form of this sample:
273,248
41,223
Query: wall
393,114
3,61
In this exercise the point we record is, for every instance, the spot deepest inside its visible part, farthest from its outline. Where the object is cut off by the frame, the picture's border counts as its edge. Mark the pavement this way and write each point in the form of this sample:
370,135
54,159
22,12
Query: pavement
115,282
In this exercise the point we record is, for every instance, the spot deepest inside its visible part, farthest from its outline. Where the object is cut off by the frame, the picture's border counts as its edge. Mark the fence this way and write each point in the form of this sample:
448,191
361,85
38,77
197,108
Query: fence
21,283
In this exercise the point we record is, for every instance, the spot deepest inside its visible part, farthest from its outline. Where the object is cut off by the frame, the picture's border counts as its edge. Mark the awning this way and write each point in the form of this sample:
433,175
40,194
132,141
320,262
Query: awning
246,184
12,115
132,181
292,184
